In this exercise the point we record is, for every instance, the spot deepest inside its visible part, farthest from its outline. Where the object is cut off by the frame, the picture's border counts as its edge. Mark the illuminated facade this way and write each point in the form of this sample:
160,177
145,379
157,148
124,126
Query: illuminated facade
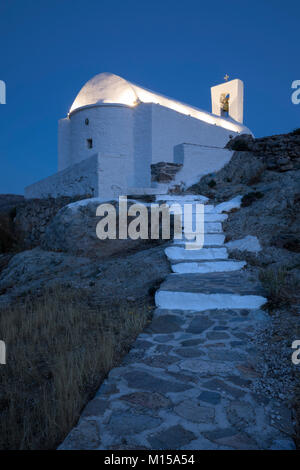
115,130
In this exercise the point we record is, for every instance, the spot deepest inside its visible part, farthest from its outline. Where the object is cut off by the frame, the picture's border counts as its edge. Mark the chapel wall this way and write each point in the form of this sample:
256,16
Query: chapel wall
170,128
109,128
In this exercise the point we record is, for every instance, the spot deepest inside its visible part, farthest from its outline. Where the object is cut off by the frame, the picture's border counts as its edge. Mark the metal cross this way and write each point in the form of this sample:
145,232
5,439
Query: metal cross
226,77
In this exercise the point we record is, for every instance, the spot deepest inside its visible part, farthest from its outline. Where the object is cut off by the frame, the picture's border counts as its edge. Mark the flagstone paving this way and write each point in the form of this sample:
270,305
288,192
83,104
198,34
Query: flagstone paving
189,381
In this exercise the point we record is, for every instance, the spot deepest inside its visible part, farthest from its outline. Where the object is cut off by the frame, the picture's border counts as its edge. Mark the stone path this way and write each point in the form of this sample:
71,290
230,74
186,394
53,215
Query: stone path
189,381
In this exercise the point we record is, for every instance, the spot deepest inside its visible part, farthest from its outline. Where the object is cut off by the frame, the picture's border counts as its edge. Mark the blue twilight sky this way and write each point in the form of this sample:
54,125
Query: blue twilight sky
50,48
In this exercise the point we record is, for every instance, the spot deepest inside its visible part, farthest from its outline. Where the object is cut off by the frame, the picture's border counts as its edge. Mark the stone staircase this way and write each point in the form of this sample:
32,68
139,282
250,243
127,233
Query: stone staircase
190,381
195,284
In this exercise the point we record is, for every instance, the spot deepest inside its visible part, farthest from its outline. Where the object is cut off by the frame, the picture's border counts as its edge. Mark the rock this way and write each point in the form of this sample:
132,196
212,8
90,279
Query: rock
189,352
234,179
242,142
240,414
192,342
227,206
85,436
164,172
148,382
248,243
95,407
32,217
199,325
219,385
125,423
36,269
159,360
288,241
283,444
249,198
165,324
193,411
210,397
153,401
231,438
171,438
8,207
214,335
73,230
226,355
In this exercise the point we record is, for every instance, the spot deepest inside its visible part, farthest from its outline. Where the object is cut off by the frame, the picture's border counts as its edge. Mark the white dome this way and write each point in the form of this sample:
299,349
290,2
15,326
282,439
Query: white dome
109,88
105,88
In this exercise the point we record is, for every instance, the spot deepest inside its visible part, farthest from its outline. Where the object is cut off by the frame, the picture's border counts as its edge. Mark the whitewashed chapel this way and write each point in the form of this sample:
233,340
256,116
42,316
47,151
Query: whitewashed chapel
116,130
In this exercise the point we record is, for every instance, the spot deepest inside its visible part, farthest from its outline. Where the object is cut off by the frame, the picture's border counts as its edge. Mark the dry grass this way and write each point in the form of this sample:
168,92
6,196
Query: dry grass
59,349
281,287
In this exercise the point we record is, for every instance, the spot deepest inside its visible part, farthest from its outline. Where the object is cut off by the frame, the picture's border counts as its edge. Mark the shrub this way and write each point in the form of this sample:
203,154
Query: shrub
212,183
249,198
281,286
240,145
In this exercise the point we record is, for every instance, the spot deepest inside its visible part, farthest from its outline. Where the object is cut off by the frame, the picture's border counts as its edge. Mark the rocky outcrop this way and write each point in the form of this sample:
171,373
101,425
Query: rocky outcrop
281,152
8,207
33,217
23,221
252,158
266,172
129,278
32,270
237,177
73,230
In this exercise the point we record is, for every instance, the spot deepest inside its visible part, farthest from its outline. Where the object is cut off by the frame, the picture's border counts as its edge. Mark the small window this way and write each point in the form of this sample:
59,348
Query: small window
89,143
87,122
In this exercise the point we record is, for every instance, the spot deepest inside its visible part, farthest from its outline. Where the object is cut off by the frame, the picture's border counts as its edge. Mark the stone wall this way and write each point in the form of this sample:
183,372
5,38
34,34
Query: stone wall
33,216
280,152
164,172
81,178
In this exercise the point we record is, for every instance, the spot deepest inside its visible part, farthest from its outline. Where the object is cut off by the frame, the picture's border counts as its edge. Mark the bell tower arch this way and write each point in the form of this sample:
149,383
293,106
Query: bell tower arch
227,99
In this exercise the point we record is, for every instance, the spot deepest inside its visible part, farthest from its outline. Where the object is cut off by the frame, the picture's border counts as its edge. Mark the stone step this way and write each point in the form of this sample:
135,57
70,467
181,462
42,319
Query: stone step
214,217
208,217
169,198
196,207
207,266
208,227
221,282
176,253
199,302
146,191
210,239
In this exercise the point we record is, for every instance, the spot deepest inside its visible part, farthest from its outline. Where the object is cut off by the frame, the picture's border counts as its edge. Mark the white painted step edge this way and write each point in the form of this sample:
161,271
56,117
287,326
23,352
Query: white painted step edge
209,239
182,198
176,253
195,207
208,267
200,302
211,227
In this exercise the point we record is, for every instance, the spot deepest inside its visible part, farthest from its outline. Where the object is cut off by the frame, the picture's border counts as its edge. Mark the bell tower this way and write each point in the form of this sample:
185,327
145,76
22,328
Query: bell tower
227,99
